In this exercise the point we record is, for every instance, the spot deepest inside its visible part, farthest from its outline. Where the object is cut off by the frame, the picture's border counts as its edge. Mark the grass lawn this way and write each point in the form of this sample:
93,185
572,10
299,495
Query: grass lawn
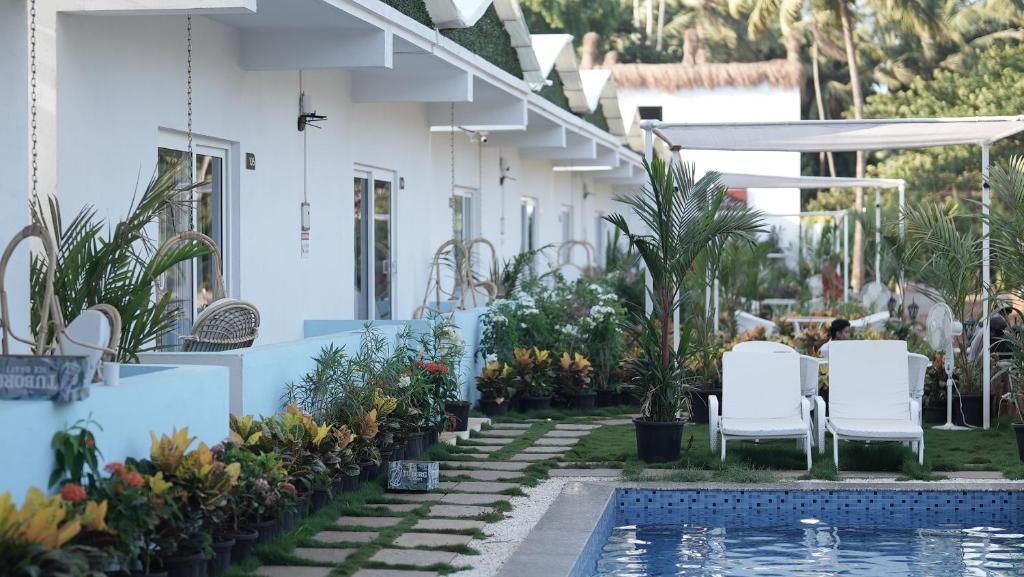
976,450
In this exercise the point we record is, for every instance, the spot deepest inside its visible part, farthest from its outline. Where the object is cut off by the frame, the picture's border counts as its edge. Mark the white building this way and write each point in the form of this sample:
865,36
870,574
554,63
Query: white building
112,104
696,91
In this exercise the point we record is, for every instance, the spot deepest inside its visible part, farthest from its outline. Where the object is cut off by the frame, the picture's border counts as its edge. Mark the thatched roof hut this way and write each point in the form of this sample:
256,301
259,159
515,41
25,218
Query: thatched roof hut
695,71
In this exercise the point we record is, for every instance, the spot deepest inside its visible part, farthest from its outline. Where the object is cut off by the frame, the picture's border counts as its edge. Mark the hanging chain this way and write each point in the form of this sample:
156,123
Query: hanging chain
452,149
188,123
33,97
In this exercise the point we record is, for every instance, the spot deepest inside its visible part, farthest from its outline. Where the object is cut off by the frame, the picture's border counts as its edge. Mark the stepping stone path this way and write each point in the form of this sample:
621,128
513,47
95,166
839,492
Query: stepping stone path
482,475
323,554
394,573
451,511
345,536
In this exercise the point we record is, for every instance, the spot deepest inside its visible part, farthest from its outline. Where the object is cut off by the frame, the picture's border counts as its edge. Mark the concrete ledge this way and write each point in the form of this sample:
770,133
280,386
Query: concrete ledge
555,544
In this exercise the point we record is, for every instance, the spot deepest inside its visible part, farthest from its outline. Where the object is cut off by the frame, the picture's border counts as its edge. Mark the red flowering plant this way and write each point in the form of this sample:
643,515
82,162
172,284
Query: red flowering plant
436,362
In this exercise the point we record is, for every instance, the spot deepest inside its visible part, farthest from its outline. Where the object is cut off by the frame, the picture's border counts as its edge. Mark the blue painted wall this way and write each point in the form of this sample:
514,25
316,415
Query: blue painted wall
147,399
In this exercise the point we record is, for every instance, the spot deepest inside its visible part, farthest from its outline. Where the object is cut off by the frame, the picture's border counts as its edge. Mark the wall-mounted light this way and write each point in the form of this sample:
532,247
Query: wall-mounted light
307,113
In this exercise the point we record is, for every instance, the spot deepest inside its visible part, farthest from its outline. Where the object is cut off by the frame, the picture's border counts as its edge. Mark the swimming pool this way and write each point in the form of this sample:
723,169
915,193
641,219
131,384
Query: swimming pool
795,532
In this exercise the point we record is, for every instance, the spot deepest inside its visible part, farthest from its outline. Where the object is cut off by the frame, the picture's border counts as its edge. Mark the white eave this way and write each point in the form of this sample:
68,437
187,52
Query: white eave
511,15
583,88
456,13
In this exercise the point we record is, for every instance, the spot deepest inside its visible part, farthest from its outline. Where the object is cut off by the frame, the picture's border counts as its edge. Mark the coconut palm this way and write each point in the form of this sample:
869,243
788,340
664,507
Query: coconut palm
839,15
682,219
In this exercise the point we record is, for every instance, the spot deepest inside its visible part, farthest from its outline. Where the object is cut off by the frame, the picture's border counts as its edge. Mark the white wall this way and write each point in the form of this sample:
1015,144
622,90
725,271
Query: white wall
728,104
109,131
14,212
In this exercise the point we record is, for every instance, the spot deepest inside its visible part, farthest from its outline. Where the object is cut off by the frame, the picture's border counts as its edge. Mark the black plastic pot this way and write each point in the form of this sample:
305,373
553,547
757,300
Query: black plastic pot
430,436
245,541
658,442
351,482
493,408
968,410
583,401
414,445
935,414
699,404
288,519
337,486
267,530
364,471
534,404
607,398
222,547
302,507
399,452
319,499
186,565
459,410
1018,431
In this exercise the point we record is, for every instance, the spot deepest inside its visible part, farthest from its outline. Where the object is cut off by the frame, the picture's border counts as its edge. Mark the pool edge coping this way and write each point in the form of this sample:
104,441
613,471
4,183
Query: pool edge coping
562,533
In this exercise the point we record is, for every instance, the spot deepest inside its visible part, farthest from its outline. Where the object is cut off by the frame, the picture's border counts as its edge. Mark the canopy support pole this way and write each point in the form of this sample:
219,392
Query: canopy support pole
677,160
903,235
846,256
878,235
649,156
986,371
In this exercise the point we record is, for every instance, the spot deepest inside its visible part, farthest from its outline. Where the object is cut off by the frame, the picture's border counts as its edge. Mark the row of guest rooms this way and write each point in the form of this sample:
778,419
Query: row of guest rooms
340,220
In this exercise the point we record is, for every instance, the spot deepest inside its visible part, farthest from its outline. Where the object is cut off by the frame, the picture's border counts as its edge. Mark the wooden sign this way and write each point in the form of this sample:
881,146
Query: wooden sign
27,377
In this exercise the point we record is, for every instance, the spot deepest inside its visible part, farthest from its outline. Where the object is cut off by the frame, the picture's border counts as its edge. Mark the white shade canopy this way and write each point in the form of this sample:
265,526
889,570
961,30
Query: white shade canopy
737,180
839,135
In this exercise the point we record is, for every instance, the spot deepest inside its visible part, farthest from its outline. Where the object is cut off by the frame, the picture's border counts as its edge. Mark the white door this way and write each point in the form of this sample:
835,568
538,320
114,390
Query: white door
373,239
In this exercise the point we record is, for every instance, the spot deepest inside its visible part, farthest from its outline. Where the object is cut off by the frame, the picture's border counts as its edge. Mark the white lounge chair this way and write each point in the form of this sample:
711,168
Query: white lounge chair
761,399
809,376
746,322
869,395
874,320
917,368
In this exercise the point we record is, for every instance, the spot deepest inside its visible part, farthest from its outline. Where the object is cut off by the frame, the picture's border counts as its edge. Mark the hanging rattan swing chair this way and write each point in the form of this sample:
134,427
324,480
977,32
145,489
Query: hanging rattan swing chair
226,323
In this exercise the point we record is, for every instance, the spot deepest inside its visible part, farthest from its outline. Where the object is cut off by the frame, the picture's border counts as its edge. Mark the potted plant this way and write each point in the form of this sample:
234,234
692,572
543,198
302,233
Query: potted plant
494,384
532,368
1013,364
573,376
685,220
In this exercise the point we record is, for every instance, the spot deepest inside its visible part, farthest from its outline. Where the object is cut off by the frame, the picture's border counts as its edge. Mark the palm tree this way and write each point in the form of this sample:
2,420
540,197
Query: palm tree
838,13
683,220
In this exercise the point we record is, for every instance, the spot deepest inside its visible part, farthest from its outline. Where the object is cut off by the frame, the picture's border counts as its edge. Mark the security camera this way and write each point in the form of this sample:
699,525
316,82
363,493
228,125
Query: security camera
483,138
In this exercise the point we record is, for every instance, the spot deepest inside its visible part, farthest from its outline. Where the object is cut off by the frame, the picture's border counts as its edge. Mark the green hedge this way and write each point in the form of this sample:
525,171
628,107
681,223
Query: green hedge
555,92
414,9
489,40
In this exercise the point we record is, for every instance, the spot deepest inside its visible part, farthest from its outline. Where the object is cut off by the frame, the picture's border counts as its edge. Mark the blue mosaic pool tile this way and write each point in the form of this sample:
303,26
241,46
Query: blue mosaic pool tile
898,508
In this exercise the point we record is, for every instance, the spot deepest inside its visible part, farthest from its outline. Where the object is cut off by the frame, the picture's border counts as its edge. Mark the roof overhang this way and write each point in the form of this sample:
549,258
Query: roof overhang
583,88
737,180
456,13
840,135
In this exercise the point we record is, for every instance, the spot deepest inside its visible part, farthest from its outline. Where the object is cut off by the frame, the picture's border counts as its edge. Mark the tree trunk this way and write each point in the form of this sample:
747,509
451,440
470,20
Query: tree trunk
661,24
821,105
649,20
636,14
857,274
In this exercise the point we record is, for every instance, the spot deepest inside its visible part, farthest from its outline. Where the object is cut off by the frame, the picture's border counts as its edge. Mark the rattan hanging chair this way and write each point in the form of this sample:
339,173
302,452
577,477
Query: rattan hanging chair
98,329
226,323
466,291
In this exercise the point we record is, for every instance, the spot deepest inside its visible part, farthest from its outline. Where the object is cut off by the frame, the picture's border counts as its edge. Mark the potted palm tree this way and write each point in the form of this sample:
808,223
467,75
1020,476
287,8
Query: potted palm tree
683,219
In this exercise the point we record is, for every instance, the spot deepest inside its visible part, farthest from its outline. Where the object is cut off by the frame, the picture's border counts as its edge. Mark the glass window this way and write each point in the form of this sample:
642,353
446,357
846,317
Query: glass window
199,208
382,247
528,221
565,220
372,240
600,236
463,217
361,192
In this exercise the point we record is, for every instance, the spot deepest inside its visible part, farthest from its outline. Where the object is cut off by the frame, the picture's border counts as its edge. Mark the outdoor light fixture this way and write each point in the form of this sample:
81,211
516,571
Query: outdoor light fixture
892,307
913,309
307,113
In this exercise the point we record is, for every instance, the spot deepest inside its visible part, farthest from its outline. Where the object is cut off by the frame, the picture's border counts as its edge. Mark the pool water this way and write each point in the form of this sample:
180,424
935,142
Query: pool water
807,533
809,549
